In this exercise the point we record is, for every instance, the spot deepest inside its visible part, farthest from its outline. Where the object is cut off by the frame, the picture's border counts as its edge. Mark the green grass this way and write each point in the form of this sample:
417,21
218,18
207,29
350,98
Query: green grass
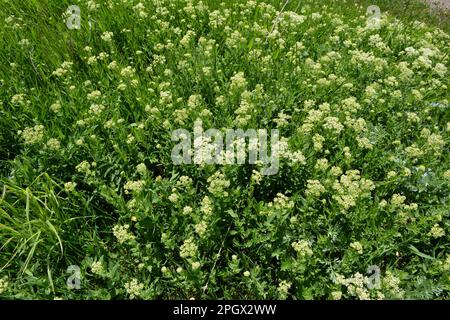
364,182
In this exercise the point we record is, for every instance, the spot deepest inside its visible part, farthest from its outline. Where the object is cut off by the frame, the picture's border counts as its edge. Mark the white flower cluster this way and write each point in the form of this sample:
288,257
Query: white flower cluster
18,99
134,288
53,144
303,248
184,181
94,95
281,202
201,228
355,285
32,135
84,167
314,188
350,188
357,246
97,267
207,206
188,248
3,284
70,186
141,169
283,288
66,67
436,231
392,283
107,36
122,233
218,184
134,186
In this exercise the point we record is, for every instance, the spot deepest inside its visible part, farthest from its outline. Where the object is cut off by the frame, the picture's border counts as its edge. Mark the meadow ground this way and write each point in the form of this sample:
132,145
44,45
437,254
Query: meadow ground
92,205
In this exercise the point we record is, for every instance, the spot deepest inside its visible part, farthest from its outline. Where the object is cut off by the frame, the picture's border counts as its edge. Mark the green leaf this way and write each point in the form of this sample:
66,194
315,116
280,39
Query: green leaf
420,254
